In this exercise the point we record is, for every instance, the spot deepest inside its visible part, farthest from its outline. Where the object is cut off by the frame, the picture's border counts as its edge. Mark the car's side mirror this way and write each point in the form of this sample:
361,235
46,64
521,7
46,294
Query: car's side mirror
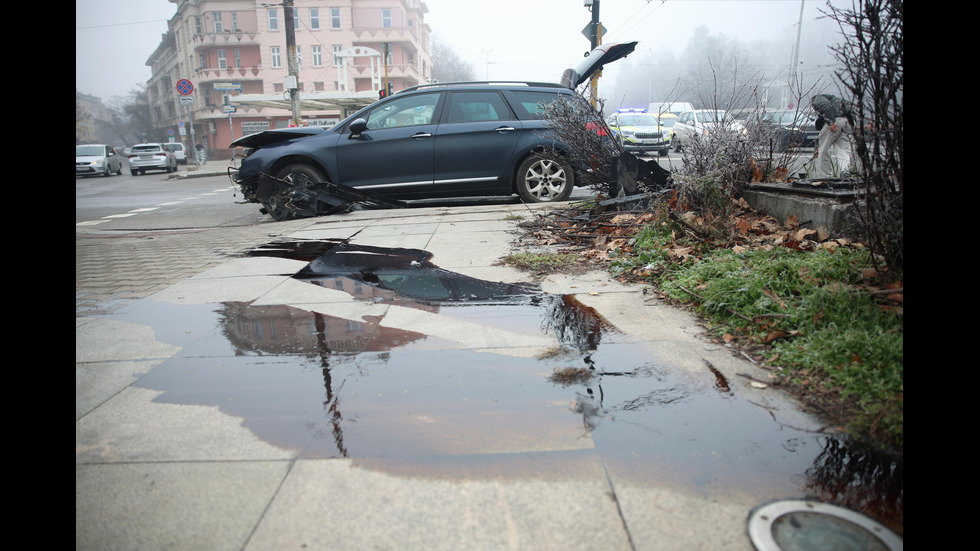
356,127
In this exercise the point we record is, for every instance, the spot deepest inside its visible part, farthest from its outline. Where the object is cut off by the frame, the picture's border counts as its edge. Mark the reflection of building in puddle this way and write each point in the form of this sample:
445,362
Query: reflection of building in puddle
271,330
370,293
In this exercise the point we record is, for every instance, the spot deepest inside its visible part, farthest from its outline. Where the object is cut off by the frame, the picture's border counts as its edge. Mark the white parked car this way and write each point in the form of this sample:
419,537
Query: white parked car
179,151
151,156
700,123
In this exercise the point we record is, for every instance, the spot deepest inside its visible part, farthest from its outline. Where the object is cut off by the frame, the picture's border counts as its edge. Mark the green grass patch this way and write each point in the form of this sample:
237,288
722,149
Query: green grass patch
811,314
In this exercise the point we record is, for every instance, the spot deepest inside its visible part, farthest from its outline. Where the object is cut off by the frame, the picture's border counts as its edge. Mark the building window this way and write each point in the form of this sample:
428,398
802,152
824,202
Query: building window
337,61
197,24
276,57
238,57
299,58
317,56
218,25
386,18
222,61
334,18
315,19
273,20
204,61
234,21
295,19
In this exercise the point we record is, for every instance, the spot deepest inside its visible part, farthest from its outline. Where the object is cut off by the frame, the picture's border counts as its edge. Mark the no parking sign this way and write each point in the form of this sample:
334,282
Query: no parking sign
184,87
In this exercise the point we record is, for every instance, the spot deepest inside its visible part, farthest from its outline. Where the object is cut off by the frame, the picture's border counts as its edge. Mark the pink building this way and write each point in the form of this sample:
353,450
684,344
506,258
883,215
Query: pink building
232,57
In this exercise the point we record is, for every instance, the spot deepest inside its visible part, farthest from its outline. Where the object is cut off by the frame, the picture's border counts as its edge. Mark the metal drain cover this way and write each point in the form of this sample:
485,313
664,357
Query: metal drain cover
799,525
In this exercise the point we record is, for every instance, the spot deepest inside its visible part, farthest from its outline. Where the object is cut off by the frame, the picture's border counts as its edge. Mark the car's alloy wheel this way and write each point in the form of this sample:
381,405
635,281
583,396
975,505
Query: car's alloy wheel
542,178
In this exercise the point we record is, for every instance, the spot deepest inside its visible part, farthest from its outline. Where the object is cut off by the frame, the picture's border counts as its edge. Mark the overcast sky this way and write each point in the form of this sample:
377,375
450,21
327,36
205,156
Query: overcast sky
501,39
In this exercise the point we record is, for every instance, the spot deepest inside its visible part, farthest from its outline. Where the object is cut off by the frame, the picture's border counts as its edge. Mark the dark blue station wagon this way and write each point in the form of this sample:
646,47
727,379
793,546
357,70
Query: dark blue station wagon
428,141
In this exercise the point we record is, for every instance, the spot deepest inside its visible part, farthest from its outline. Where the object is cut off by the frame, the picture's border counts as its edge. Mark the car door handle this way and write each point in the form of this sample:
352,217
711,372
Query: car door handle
421,135
503,129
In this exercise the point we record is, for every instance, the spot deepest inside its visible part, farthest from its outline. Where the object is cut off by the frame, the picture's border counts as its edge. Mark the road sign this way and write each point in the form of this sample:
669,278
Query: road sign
184,87
227,86
588,30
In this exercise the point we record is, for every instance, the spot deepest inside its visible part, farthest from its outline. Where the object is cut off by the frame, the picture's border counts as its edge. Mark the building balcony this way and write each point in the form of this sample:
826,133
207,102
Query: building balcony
205,75
226,38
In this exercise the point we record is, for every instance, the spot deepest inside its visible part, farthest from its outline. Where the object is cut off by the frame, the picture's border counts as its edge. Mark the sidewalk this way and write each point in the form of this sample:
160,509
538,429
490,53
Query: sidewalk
452,439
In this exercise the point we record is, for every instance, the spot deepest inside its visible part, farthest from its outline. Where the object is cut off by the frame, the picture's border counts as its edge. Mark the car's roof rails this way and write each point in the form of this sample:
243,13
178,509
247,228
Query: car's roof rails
482,83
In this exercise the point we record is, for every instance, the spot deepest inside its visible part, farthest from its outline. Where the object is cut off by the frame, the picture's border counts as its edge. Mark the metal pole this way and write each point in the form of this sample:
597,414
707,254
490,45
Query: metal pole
287,11
793,83
596,41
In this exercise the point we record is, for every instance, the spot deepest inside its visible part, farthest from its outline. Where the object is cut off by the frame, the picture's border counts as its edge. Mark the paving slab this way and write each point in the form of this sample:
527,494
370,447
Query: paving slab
369,459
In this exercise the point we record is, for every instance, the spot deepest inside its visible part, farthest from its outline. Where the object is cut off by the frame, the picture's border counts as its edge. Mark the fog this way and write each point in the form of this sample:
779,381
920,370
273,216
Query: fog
523,40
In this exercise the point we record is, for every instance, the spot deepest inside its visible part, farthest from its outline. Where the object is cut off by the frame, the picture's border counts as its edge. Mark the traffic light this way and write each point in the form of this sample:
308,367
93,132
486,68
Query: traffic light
382,93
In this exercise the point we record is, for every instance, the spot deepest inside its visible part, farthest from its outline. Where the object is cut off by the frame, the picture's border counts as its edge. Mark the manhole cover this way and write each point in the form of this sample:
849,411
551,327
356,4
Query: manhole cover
797,525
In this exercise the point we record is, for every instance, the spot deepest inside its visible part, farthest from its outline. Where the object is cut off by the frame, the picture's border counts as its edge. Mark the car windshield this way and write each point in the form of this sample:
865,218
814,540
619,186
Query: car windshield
667,122
640,119
89,150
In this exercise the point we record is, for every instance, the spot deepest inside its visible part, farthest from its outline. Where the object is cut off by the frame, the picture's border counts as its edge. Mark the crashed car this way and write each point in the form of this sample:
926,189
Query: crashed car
427,141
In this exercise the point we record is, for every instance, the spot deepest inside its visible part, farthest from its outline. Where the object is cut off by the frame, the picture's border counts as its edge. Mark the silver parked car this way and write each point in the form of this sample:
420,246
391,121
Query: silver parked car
151,156
96,159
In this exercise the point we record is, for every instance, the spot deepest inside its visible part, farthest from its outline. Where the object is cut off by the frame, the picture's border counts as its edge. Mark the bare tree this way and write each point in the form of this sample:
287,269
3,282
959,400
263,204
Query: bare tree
447,66
872,56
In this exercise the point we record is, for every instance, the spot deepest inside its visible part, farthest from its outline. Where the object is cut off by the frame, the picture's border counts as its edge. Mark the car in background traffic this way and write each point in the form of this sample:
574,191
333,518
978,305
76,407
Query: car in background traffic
91,159
701,123
179,151
427,141
639,132
151,156
667,122
783,129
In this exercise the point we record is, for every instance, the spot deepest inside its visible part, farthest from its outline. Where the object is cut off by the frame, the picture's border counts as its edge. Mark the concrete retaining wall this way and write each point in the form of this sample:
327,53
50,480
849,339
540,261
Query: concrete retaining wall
837,211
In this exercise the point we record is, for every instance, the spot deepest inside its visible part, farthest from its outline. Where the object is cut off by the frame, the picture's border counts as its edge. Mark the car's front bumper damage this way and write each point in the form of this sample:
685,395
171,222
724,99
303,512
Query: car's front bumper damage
301,197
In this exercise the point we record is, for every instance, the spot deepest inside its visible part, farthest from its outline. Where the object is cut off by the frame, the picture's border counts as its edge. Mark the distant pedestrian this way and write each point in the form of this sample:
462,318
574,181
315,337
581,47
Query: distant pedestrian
202,154
834,140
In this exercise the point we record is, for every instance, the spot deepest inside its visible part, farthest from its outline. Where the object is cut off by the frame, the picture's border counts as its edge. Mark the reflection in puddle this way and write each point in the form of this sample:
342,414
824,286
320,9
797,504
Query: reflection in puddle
333,387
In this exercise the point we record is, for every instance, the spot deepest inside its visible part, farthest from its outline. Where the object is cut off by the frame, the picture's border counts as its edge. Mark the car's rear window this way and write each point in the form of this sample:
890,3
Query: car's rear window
174,147
146,148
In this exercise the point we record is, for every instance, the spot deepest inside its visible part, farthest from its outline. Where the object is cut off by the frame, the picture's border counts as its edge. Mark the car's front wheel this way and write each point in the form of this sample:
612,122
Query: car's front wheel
293,173
542,178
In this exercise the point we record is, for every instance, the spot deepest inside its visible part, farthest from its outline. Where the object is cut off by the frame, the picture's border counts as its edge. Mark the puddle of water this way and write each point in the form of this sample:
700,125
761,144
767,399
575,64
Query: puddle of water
332,387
